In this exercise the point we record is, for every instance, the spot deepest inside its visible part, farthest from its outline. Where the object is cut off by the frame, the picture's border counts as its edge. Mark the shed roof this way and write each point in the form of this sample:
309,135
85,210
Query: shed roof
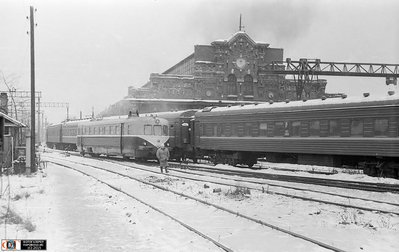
11,122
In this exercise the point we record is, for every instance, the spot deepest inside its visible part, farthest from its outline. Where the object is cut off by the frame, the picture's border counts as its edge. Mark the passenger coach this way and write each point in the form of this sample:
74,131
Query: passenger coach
331,132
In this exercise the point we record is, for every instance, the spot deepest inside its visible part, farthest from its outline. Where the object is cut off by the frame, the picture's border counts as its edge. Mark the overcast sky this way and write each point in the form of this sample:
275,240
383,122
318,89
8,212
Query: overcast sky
89,52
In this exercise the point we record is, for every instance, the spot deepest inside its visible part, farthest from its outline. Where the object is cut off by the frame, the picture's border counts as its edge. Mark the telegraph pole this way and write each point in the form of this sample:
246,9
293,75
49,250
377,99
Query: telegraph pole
32,90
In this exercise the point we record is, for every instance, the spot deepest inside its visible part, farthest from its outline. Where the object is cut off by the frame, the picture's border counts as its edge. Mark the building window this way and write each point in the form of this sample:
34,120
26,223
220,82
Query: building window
231,85
247,87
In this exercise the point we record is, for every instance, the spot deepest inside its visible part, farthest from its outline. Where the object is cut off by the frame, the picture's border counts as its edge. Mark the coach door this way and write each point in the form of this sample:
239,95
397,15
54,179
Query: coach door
121,137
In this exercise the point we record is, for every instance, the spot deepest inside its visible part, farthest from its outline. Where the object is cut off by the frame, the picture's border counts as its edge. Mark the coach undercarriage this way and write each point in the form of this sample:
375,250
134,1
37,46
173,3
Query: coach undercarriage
372,166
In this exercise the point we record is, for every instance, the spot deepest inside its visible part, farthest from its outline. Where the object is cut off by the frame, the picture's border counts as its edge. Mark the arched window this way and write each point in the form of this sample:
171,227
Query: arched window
231,85
247,87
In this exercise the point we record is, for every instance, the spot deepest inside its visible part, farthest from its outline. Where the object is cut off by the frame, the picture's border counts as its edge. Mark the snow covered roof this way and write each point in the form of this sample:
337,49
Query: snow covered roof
13,122
190,100
309,103
240,33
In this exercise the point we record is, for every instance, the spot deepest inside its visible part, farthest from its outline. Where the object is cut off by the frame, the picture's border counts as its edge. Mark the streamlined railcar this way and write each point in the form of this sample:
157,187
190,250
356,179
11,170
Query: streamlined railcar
132,137
181,132
62,135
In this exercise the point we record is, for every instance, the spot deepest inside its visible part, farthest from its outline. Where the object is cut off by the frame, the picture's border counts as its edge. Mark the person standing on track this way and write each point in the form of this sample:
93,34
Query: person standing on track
163,157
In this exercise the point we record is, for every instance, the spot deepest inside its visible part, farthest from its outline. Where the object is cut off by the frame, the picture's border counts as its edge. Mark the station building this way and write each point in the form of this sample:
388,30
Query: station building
224,72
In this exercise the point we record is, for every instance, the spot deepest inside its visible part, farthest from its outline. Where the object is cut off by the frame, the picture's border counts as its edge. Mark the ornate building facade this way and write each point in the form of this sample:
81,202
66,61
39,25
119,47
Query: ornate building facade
226,70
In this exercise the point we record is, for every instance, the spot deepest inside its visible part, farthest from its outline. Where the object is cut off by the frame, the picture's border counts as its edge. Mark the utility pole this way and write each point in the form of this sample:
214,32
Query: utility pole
32,90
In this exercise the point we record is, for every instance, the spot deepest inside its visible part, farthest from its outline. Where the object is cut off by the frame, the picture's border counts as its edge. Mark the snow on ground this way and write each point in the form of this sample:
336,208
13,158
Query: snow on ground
74,212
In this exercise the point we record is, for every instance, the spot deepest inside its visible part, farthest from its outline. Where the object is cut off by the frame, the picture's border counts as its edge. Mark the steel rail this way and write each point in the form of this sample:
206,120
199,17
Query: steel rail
319,243
152,207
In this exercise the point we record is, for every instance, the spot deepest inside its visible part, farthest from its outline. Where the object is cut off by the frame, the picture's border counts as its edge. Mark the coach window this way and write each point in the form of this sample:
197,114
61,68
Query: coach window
158,130
255,129
357,127
381,127
314,128
296,128
247,129
334,128
147,129
279,129
263,129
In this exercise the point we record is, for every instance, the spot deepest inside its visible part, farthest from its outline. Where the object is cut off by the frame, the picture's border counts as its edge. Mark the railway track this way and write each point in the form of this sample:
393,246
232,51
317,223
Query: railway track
257,228
342,200
365,186
293,195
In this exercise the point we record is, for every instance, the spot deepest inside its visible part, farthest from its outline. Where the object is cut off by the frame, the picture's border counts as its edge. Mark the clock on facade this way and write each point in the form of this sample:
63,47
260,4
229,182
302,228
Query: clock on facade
240,62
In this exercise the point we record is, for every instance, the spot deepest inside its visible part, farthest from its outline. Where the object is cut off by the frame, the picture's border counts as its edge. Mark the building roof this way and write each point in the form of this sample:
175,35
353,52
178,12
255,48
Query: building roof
11,121
237,34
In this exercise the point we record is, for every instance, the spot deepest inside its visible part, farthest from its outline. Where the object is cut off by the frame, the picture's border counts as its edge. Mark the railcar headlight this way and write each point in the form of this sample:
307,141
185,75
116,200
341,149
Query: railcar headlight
145,143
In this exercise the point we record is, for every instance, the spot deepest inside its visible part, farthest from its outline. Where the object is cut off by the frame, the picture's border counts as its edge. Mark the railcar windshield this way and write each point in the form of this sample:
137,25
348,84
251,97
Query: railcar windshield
158,130
147,129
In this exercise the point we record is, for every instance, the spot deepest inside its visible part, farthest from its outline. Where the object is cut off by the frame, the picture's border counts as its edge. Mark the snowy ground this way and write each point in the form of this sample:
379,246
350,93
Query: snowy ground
74,212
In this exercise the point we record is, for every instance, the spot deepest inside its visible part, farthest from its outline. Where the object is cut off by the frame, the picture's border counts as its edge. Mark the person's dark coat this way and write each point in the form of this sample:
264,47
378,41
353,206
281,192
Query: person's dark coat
163,156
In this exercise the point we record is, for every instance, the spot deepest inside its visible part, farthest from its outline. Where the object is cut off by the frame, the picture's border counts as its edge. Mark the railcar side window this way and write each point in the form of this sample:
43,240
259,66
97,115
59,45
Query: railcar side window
357,127
158,130
219,130
314,128
227,129
381,127
165,130
240,129
209,129
147,129
334,128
